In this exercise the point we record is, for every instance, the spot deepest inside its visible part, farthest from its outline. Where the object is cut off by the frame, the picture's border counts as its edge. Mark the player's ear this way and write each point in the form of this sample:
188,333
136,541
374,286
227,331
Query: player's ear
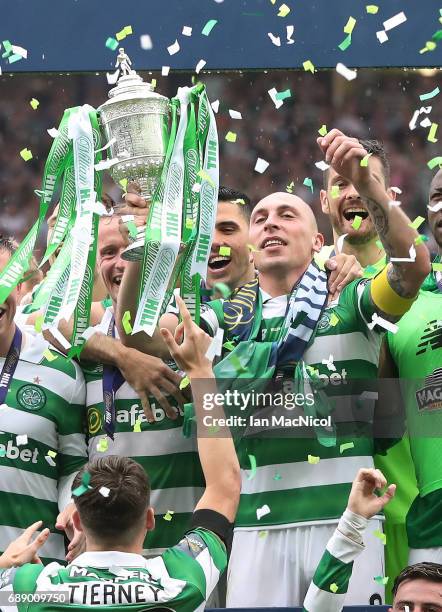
324,202
76,520
150,519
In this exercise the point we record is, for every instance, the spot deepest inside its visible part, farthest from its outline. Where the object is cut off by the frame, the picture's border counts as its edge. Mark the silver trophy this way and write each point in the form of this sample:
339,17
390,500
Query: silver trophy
136,119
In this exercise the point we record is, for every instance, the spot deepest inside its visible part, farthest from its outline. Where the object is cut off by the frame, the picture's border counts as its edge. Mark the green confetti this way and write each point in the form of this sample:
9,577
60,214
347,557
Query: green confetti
436,161
236,363
372,9
356,222
229,346
282,95
185,382
381,536
381,579
379,244
14,58
277,477
125,321
313,460
26,154
344,45
111,43
34,103
430,94
334,587
8,48
437,35
323,130
308,183
137,426
224,251
169,515
335,191
209,27
231,137
420,239
417,222
364,160
84,487
132,229
252,473
223,289
346,446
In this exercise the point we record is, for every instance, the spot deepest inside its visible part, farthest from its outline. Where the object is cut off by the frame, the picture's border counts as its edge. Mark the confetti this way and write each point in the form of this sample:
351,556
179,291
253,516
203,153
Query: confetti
284,10
224,251
200,66
229,346
313,460
50,461
137,426
104,491
364,160
334,587
84,487
377,320
437,267
231,136
430,94
308,66
169,515
187,31
340,243
234,114
102,445
289,188
34,103
146,42
372,9
26,154
21,440
215,106
432,133
38,323
205,177
8,48
260,512
53,132
436,161
329,363
417,222
335,192
272,93
321,165
185,382
323,130
381,536
261,165
394,21
308,183
420,239
252,473
209,27
356,222
290,30
48,355
165,70
344,45
111,43
276,40
423,109
346,446
282,95
277,477
263,534
173,48
411,258
382,36
426,123
436,208
216,345
346,72
381,579
396,190
349,26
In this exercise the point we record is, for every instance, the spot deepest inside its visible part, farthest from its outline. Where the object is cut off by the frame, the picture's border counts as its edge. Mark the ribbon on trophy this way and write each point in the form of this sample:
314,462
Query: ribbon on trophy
171,225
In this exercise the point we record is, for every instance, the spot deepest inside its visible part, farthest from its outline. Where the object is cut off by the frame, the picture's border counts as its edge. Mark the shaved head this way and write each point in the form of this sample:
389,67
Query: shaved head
435,218
283,198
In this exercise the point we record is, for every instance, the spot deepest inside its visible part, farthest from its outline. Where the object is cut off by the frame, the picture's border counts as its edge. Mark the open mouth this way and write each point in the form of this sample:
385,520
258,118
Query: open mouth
219,262
272,242
355,211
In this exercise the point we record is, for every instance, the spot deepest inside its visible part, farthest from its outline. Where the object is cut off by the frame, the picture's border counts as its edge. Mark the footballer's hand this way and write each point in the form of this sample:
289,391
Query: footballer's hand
24,549
189,345
363,499
343,270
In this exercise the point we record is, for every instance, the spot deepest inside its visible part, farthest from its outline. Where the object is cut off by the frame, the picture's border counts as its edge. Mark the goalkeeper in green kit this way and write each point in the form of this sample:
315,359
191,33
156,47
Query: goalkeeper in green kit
112,509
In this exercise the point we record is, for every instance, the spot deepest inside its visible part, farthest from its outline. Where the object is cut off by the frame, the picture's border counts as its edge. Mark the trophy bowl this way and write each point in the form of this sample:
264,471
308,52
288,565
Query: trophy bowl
135,120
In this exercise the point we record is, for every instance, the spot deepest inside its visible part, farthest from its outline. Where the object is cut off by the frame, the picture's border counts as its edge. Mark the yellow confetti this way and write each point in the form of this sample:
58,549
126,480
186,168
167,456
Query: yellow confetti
49,356
52,454
335,191
432,133
364,160
372,9
417,222
190,223
38,323
334,587
356,222
137,426
126,323
224,251
308,66
334,320
127,30
34,103
103,445
231,137
26,154
313,460
120,35
349,26
123,183
381,536
153,83
284,10
185,382
263,534
323,130
169,515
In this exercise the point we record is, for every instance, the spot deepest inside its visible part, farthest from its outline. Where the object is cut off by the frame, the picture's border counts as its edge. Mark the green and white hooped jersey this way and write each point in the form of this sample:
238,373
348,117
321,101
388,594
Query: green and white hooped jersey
42,442
295,490
169,459
180,580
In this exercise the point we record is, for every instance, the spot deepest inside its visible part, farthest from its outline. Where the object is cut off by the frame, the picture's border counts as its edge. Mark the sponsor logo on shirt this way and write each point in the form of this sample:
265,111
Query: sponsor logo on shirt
31,397
430,396
431,338
94,420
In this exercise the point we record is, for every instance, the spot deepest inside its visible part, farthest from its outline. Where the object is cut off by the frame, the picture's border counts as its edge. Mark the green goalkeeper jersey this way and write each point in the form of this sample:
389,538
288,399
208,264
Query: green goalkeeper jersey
180,580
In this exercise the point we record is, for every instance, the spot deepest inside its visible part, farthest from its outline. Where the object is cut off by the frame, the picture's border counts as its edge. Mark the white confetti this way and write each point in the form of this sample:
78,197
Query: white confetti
345,72
89,332
412,257
215,106
56,333
20,51
50,461
276,40
53,132
382,36
426,123
436,208
329,363
340,243
290,29
196,188
106,146
146,42
394,203
272,93
187,31
261,165
235,114
377,320
200,66
106,163
321,165
216,345
395,21
417,112
260,512
174,48
396,190
21,440
165,70
104,491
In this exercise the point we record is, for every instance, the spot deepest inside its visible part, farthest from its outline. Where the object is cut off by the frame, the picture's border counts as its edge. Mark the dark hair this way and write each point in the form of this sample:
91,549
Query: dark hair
377,149
424,571
8,244
118,516
225,194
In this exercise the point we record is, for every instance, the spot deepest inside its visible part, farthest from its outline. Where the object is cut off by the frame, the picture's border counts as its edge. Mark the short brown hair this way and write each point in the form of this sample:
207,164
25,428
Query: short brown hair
419,571
8,244
120,514
375,148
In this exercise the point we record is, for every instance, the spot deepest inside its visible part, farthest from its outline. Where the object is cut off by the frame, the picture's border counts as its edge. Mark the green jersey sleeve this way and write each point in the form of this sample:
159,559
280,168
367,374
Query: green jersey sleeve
357,297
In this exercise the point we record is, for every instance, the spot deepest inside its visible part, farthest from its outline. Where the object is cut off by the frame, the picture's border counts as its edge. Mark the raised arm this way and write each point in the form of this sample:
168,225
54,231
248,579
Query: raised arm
402,279
217,453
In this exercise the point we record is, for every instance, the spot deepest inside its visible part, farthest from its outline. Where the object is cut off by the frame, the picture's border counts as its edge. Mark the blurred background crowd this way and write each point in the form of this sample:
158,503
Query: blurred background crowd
377,104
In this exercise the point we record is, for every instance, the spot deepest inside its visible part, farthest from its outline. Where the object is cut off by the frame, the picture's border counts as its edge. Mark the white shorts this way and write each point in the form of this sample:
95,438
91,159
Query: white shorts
419,555
276,567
